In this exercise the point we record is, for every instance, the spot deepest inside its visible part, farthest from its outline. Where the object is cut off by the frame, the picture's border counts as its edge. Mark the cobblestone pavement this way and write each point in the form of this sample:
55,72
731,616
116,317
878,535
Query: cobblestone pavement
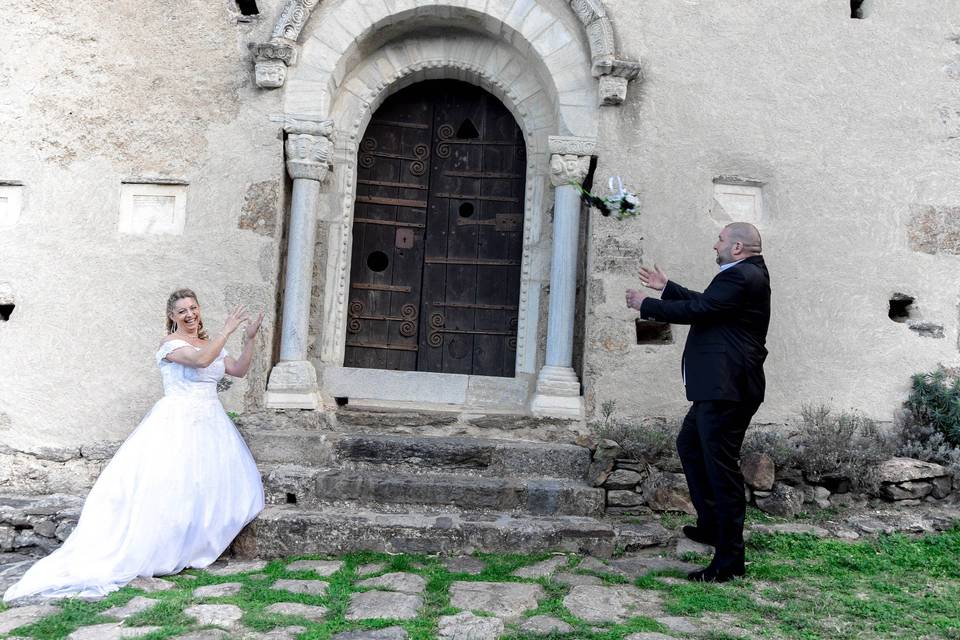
542,598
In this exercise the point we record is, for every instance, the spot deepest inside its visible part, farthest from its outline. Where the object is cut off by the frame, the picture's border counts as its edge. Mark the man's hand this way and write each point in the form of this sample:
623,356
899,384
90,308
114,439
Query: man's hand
635,299
654,279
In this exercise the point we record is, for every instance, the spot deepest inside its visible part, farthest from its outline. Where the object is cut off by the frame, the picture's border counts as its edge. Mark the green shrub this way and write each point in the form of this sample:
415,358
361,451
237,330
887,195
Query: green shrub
834,446
651,440
935,401
781,448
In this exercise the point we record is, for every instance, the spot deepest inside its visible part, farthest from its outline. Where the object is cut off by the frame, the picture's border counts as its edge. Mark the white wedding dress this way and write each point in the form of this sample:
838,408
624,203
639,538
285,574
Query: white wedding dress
174,495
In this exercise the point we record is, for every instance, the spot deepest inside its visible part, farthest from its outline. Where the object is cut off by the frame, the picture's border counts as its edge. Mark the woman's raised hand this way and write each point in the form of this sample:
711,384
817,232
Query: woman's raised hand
237,317
654,278
252,327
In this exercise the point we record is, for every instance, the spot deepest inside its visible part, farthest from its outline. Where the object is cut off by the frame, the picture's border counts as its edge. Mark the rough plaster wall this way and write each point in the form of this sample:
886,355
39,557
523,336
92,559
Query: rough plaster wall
851,125
106,92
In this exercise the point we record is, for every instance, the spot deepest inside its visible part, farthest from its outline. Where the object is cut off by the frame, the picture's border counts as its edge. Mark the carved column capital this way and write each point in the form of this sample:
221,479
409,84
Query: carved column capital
308,148
271,60
567,169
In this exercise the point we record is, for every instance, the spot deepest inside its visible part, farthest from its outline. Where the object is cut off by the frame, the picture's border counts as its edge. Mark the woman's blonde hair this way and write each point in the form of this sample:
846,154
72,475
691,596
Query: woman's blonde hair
180,294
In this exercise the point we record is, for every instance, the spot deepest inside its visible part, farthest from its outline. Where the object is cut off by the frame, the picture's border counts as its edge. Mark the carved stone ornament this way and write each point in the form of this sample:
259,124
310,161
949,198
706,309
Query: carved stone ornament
571,145
308,148
612,90
293,17
566,169
270,62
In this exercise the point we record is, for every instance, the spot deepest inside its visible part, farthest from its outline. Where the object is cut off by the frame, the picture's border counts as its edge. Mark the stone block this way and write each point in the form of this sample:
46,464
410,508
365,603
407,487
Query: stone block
401,581
309,587
319,567
667,492
912,490
382,604
544,626
19,616
623,479
260,208
467,626
541,569
897,470
217,615
603,605
503,599
314,613
637,536
934,229
218,590
464,564
784,500
758,470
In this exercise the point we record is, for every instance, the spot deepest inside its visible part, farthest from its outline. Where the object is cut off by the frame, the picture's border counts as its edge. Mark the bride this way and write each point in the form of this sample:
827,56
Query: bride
179,489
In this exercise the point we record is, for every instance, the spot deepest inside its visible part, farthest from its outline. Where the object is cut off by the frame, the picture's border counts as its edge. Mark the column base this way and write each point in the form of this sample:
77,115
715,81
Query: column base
558,394
293,385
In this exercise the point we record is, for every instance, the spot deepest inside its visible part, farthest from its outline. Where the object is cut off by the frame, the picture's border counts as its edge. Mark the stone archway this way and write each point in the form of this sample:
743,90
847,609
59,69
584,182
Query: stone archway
542,64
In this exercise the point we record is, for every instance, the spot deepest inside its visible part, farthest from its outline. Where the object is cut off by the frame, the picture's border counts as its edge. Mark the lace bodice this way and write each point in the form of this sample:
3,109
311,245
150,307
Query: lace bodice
178,378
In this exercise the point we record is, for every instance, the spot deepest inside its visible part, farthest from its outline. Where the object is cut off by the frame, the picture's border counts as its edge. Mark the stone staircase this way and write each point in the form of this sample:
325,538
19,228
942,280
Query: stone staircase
333,492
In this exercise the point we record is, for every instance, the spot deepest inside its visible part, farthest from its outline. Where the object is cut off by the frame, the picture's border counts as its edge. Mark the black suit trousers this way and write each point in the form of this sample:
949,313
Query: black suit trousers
709,447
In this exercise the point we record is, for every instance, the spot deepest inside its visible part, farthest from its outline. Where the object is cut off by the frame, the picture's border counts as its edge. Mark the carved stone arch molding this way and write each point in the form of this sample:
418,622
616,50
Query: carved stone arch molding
612,70
540,58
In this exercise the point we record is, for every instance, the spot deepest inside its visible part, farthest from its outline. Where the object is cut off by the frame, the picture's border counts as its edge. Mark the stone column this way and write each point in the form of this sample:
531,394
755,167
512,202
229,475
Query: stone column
558,388
293,380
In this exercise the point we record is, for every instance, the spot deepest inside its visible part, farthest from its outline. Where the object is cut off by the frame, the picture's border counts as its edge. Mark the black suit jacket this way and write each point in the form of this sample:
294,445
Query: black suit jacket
724,354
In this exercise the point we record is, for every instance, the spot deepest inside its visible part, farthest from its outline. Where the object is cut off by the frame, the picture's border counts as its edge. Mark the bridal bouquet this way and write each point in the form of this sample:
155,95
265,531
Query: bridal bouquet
620,204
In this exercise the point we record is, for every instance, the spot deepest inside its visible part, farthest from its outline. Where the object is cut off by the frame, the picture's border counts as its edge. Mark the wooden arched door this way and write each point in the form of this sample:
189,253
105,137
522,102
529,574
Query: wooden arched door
437,234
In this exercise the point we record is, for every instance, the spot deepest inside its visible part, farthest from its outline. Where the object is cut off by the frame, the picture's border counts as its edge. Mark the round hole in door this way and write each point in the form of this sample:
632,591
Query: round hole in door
466,210
378,261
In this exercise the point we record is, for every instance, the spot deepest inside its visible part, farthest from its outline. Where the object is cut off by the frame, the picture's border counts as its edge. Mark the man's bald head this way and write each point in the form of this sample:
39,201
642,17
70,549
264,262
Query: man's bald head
738,240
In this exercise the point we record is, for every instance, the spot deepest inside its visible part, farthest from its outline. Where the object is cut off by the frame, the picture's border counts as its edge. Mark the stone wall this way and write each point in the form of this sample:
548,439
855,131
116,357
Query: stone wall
848,129
112,94
851,127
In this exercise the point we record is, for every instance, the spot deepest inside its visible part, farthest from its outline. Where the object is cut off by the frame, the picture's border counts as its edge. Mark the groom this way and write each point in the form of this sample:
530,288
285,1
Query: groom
723,373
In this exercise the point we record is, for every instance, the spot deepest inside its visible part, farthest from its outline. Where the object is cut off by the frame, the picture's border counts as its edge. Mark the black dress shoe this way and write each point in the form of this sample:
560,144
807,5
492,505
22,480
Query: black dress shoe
714,574
698,535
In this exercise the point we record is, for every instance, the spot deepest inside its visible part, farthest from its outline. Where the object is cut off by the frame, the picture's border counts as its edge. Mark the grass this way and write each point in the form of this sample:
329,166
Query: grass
798,587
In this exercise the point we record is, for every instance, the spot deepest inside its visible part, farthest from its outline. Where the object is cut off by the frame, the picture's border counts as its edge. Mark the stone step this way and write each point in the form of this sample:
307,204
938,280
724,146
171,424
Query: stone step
476,456
311,486
286,530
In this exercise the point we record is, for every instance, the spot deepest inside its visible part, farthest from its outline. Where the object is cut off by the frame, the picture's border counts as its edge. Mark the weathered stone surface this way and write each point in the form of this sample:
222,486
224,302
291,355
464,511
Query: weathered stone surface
623,498
637,536
544,625
402,582
897,470
206,634
109,631
541,569
758,470
218,590
133,607
260,207
594,564
152,585
667,492
389,633
869,525
784,500
467,626
648,635
913,490
373,567
935,229
383,604
604,458
235,567
217,615
464,564
942,487
310,587
623,479
612,604
19,616
686,545
283,633
791,527
636,566
503,599
319,567
679,624
575,579
315,613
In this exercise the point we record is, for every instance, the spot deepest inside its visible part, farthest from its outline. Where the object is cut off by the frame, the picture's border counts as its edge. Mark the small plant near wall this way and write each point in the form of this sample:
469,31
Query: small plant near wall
929,427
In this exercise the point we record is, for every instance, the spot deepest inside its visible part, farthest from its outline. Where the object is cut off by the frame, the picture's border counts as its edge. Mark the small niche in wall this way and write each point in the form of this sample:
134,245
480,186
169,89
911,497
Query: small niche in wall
859,9
653,332
6,310
900,307
11,200
739,200
148,208
7,302
248,7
